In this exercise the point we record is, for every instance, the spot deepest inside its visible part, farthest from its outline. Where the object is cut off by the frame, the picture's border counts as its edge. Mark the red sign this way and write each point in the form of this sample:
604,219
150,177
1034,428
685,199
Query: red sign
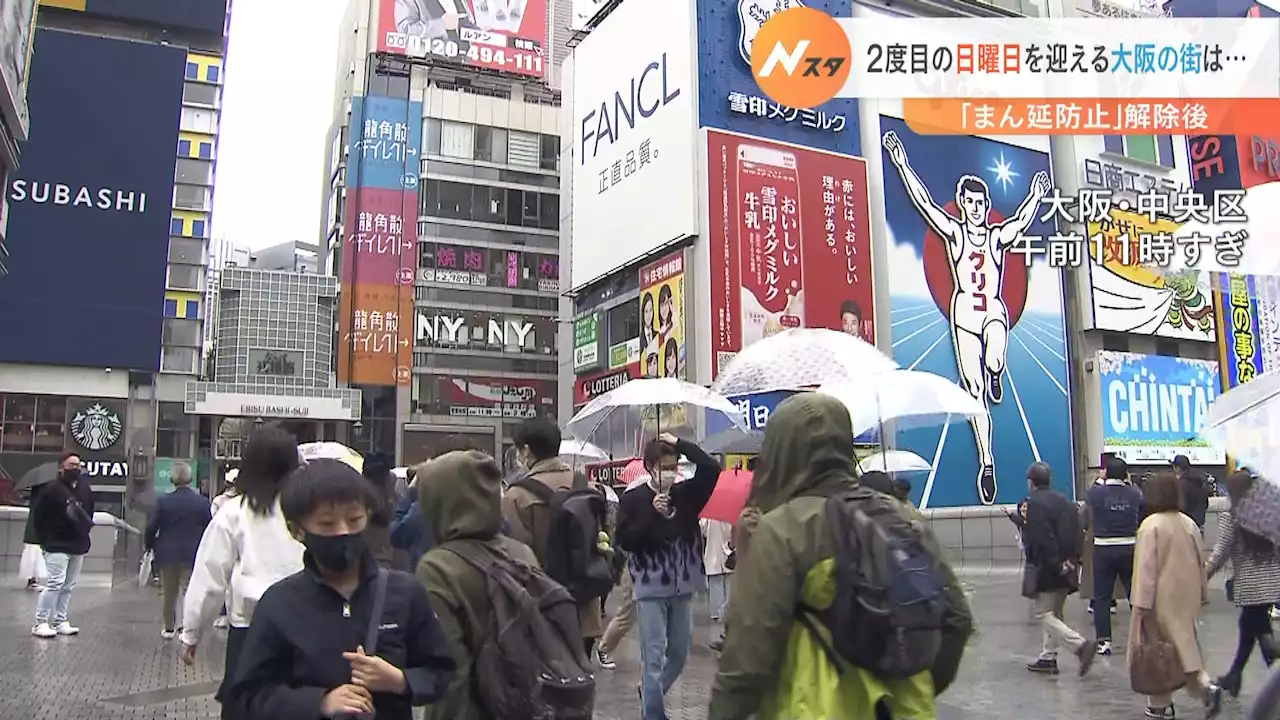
503,35
1259,160
486,397
790,242
588,387
607,473
382,246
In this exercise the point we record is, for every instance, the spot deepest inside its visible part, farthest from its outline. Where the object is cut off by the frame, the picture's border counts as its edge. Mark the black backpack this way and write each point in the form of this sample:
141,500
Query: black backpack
573,557
891,614
530,664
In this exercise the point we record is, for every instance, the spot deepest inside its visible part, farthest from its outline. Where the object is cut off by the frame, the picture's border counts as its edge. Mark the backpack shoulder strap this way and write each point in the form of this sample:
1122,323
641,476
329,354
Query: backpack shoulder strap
539,489
375,617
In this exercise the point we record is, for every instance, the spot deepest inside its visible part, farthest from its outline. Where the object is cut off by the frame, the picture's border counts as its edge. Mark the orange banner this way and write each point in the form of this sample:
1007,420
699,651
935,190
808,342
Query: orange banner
376,346
1092,116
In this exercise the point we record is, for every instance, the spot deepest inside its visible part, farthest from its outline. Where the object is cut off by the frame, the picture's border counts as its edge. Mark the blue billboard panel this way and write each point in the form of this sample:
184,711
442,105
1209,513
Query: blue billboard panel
89,208
1154,405
386,143
198,15
730,99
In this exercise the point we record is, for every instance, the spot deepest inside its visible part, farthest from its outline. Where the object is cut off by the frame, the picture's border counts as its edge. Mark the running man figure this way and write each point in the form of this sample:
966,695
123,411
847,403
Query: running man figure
979,318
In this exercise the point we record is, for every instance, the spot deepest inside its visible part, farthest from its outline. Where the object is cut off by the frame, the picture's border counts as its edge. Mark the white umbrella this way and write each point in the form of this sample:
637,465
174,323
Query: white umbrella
330,451
1245,420
894,461
910,398
581,450
798,359
648,399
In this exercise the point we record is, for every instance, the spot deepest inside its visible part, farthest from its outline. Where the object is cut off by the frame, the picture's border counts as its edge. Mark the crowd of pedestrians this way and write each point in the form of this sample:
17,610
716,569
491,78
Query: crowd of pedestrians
480,595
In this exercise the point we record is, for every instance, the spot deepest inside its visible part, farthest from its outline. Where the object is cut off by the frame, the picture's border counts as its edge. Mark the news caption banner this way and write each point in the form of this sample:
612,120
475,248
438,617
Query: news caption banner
1158,228
1011,76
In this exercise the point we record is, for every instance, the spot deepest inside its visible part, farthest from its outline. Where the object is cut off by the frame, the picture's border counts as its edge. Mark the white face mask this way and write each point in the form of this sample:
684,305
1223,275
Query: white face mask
667,478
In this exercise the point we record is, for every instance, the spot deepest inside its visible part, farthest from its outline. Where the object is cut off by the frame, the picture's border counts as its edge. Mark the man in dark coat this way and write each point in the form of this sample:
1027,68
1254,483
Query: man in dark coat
1051,536
173,536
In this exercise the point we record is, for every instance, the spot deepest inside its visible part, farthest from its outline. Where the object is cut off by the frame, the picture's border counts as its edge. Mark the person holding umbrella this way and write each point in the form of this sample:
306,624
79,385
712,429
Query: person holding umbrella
31,567
63,512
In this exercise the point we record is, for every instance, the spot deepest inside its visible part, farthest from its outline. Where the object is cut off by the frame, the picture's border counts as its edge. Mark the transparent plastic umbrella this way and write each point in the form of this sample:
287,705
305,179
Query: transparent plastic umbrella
909,398
798,359
895,461
1244,422
643,408
330,451
579,452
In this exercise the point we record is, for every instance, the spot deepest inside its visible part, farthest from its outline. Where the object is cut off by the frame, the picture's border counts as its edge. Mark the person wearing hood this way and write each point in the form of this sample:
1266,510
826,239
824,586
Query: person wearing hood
770,667
528,517
409,531
460,496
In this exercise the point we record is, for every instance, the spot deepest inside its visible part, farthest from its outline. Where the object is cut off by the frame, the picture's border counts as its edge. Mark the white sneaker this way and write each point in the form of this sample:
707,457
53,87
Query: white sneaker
168,634
66,628
44,630
221,623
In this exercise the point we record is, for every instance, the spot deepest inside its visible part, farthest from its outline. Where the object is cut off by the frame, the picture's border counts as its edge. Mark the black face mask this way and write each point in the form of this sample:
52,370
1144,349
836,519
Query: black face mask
71,474
335,552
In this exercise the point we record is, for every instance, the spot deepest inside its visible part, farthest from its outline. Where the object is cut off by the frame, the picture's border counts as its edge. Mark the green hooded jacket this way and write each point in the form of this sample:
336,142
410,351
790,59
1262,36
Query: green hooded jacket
460,494
765,669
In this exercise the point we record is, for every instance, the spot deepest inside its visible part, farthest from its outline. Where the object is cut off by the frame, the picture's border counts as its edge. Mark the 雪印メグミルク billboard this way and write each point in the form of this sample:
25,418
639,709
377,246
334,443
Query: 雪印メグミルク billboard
90,207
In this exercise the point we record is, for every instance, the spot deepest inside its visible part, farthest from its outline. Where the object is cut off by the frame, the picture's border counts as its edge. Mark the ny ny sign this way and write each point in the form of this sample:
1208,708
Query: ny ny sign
442,329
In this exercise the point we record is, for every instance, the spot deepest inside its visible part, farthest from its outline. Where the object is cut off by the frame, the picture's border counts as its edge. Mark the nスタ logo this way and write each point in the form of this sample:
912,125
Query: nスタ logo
801,57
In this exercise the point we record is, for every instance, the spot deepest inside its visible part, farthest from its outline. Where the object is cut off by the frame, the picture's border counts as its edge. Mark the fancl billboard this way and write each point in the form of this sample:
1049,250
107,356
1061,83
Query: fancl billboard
89,208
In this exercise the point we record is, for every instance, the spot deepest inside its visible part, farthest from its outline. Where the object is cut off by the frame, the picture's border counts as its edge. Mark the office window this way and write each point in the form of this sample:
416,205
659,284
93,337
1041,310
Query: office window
175,226
193,71
431,135
214,74
184,277
490,204
624,322
1154,149
186,250
206,151
182,331
550,152
457,140
190,197
171,308
178,359
195,172
549,211
194,93
524,149
184,148
199,120
172,438
484,143
198,228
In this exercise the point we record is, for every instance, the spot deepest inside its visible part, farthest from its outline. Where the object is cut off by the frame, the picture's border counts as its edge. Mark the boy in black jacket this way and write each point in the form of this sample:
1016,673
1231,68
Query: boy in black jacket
658,527
310,652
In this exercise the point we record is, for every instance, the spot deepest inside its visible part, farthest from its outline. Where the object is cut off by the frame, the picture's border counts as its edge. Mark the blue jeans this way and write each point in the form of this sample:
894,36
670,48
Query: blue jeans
666,636
63,571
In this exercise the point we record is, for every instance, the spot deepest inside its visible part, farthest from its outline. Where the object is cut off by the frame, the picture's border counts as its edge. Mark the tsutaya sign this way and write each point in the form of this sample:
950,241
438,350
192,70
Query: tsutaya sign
442,329
274,406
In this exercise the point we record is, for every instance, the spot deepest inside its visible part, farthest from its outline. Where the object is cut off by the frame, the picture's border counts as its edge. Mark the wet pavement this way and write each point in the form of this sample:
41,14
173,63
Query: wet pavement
119,668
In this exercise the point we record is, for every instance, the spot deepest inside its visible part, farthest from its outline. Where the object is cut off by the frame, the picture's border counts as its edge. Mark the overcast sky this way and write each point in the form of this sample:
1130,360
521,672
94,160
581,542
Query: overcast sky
275,119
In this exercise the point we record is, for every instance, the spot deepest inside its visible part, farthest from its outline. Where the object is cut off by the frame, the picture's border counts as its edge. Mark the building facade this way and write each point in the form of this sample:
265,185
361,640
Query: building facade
471,205
135,236
292,256
273,361
17,23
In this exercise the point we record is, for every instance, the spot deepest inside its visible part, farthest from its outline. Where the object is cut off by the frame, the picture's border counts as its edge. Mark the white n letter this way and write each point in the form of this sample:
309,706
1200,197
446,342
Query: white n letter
789,61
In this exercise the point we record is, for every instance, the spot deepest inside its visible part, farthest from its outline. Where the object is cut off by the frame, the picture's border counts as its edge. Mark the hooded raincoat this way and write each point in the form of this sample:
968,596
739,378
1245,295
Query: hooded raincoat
771,668
460,496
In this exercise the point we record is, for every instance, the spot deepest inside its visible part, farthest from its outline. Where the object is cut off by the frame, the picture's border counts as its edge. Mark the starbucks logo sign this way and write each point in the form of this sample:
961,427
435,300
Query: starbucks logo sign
96,427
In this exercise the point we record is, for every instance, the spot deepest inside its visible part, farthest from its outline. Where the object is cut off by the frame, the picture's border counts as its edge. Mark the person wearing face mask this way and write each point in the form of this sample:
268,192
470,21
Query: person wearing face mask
658,526
63,518
244,550
380,650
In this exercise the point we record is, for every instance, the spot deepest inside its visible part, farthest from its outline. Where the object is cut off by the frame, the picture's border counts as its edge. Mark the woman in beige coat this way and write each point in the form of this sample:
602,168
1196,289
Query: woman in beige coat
1168,566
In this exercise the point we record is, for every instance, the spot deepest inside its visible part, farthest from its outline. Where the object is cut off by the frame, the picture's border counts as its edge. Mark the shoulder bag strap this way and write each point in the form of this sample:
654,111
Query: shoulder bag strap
375,616
539,489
